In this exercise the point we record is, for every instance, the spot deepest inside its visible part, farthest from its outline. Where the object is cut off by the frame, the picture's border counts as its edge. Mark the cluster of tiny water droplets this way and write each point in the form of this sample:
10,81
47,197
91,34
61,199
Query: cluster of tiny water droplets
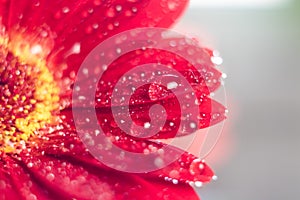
72,178
58,172
131,88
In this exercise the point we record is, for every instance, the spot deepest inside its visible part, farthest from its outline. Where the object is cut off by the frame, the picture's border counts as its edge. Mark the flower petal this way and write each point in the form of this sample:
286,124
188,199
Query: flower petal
211,113
23,185
205,111
198,71
186,169
4,10
7,190
72,173
88,22
76,180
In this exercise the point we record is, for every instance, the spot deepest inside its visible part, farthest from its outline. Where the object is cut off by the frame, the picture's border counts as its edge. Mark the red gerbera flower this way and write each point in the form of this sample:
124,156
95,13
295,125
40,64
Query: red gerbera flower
42,45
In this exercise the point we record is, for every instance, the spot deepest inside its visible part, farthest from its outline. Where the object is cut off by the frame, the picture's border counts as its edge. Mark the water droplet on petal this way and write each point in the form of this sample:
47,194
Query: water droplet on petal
158,162
217,60
198,184
29,165
75,49
110,12
50,177
172,5
118,8
95,26
193,125
134,9
36,49
173,43
31,197
147,125
97,2
65,10
119,50
172,85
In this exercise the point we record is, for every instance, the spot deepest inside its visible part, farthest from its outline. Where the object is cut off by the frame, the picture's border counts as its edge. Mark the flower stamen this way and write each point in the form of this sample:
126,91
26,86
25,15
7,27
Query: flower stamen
29,96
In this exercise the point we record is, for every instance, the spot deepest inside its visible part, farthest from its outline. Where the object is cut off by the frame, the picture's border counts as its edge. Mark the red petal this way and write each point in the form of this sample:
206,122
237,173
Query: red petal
4,10
65,172
23,184
77,180
183,167
198,71
211,112
149,13
162,13
90,21
7,189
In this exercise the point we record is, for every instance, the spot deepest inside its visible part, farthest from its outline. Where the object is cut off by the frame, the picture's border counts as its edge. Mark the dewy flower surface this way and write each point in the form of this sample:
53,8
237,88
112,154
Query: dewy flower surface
42,45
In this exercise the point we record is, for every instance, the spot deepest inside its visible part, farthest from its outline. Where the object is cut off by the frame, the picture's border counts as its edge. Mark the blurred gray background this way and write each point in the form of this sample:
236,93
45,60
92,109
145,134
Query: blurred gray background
261,51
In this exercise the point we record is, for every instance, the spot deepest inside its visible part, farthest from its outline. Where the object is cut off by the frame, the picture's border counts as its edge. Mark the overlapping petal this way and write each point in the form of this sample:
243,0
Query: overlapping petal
199,71
56,164
25,186
7,188
186,169
62,168
87,23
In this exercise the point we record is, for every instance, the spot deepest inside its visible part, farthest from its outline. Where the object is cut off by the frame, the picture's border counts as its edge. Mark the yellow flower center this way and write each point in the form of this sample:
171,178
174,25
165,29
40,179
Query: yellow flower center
29,95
